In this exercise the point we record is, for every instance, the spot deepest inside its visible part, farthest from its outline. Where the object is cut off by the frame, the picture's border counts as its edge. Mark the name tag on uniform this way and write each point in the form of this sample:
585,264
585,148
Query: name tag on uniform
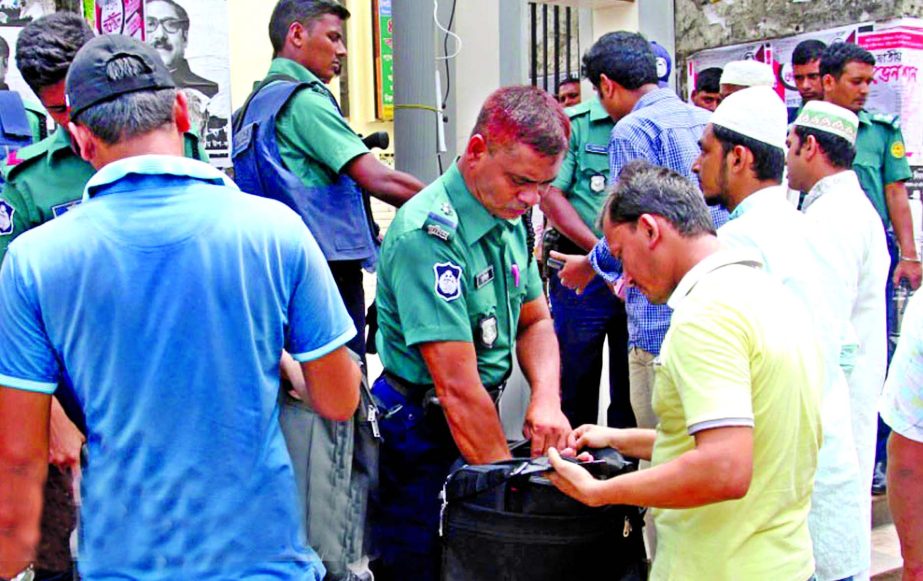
62,209
600,149
484,277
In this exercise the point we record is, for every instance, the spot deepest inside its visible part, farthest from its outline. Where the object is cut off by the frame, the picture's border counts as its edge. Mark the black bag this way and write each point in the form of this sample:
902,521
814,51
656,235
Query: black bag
505,521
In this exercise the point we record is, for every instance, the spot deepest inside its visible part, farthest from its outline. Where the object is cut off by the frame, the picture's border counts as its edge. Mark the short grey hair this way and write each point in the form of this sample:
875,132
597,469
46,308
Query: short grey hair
130,114
643,188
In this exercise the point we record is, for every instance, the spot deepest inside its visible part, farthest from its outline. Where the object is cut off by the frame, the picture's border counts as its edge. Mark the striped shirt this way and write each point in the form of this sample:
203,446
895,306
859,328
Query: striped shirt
665,131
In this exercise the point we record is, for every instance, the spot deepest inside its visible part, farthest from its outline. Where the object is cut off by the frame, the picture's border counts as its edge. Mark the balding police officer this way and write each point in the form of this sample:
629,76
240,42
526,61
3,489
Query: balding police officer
458,291
583,322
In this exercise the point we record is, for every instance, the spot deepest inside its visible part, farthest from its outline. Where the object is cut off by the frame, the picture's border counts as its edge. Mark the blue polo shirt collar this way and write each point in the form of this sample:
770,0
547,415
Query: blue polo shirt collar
154,165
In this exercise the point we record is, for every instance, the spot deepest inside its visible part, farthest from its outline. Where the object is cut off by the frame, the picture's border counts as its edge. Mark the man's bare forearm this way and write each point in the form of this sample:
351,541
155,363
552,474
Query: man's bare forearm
469,410
689,480
24,420
539,358
396,188
898,204
565,219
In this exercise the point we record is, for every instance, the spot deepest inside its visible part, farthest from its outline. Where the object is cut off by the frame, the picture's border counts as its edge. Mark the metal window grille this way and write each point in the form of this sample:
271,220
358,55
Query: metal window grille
554,50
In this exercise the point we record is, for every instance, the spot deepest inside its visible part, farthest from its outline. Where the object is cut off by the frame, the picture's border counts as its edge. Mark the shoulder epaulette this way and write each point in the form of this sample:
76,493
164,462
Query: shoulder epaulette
22,158
441,224
887,119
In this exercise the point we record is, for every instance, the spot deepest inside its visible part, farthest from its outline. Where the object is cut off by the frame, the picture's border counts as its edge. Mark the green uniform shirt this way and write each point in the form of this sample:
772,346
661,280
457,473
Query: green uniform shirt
584,173
47,180
451,271
315,142
880,158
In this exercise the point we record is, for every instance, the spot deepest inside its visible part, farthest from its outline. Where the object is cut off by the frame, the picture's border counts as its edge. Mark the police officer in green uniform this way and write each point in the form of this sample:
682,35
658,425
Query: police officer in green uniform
583,322
44,180
458,291
306,155
881,165
319,149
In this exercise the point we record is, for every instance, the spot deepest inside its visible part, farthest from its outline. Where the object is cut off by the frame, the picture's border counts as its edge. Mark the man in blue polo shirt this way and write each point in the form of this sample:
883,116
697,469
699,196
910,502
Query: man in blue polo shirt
167,298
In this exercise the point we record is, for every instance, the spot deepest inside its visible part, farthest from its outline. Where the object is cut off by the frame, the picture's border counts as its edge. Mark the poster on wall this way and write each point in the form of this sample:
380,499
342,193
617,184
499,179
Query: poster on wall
384,59
192,38
718,57
116,17
896,88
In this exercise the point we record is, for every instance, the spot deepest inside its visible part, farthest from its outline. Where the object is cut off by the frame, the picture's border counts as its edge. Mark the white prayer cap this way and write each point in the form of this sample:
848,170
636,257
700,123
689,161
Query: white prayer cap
748,73
755,112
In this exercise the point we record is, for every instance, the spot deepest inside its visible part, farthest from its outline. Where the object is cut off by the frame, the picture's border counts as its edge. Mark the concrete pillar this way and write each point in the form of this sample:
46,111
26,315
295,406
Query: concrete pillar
414,90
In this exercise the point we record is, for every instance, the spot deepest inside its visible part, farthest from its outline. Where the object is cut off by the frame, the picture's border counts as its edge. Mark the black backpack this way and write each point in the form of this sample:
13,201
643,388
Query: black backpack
505,521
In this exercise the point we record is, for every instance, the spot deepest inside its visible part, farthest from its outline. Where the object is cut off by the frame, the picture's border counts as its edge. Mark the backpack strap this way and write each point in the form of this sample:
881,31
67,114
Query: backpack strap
238,117
14,121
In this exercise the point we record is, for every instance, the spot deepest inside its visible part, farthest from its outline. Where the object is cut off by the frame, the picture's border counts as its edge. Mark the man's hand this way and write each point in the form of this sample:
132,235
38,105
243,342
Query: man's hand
577,271
912,272
64,439
593,436
290,370
546,425
573,480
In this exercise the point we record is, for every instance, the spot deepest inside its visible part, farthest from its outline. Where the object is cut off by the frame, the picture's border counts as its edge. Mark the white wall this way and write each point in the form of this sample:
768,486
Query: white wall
477,67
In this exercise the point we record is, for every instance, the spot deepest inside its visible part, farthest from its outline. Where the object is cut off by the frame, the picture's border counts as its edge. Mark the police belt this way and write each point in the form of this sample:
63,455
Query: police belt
425,394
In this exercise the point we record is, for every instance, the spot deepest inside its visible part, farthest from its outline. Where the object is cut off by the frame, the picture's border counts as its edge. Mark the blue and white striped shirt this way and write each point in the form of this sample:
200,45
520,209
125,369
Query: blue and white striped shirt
665,131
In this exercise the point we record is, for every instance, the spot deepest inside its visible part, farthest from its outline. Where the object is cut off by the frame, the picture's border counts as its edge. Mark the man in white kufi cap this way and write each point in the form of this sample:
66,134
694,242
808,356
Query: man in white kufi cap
821,152
738,75
740,167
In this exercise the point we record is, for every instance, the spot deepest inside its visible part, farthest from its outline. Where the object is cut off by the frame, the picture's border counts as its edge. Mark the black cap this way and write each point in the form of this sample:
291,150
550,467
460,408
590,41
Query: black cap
88,82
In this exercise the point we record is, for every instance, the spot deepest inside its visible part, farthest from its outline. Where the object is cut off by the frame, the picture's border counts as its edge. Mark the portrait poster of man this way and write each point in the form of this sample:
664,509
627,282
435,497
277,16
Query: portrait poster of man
192,38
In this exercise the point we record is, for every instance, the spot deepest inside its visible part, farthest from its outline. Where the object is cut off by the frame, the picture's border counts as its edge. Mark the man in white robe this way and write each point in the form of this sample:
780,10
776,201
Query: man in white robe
740,167
821,146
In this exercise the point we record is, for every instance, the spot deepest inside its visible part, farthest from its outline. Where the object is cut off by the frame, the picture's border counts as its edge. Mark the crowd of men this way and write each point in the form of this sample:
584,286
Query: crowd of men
200,352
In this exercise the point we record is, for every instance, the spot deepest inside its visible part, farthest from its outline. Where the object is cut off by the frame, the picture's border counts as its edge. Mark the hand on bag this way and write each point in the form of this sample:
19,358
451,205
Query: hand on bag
592,436
546,425
573,480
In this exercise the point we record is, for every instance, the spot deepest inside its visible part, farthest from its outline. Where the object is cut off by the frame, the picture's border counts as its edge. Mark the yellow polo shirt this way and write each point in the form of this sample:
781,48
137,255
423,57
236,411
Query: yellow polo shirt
740,351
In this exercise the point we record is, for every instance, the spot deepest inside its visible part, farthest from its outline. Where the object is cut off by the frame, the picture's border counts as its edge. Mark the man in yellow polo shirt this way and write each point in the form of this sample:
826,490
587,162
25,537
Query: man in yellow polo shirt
737,391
